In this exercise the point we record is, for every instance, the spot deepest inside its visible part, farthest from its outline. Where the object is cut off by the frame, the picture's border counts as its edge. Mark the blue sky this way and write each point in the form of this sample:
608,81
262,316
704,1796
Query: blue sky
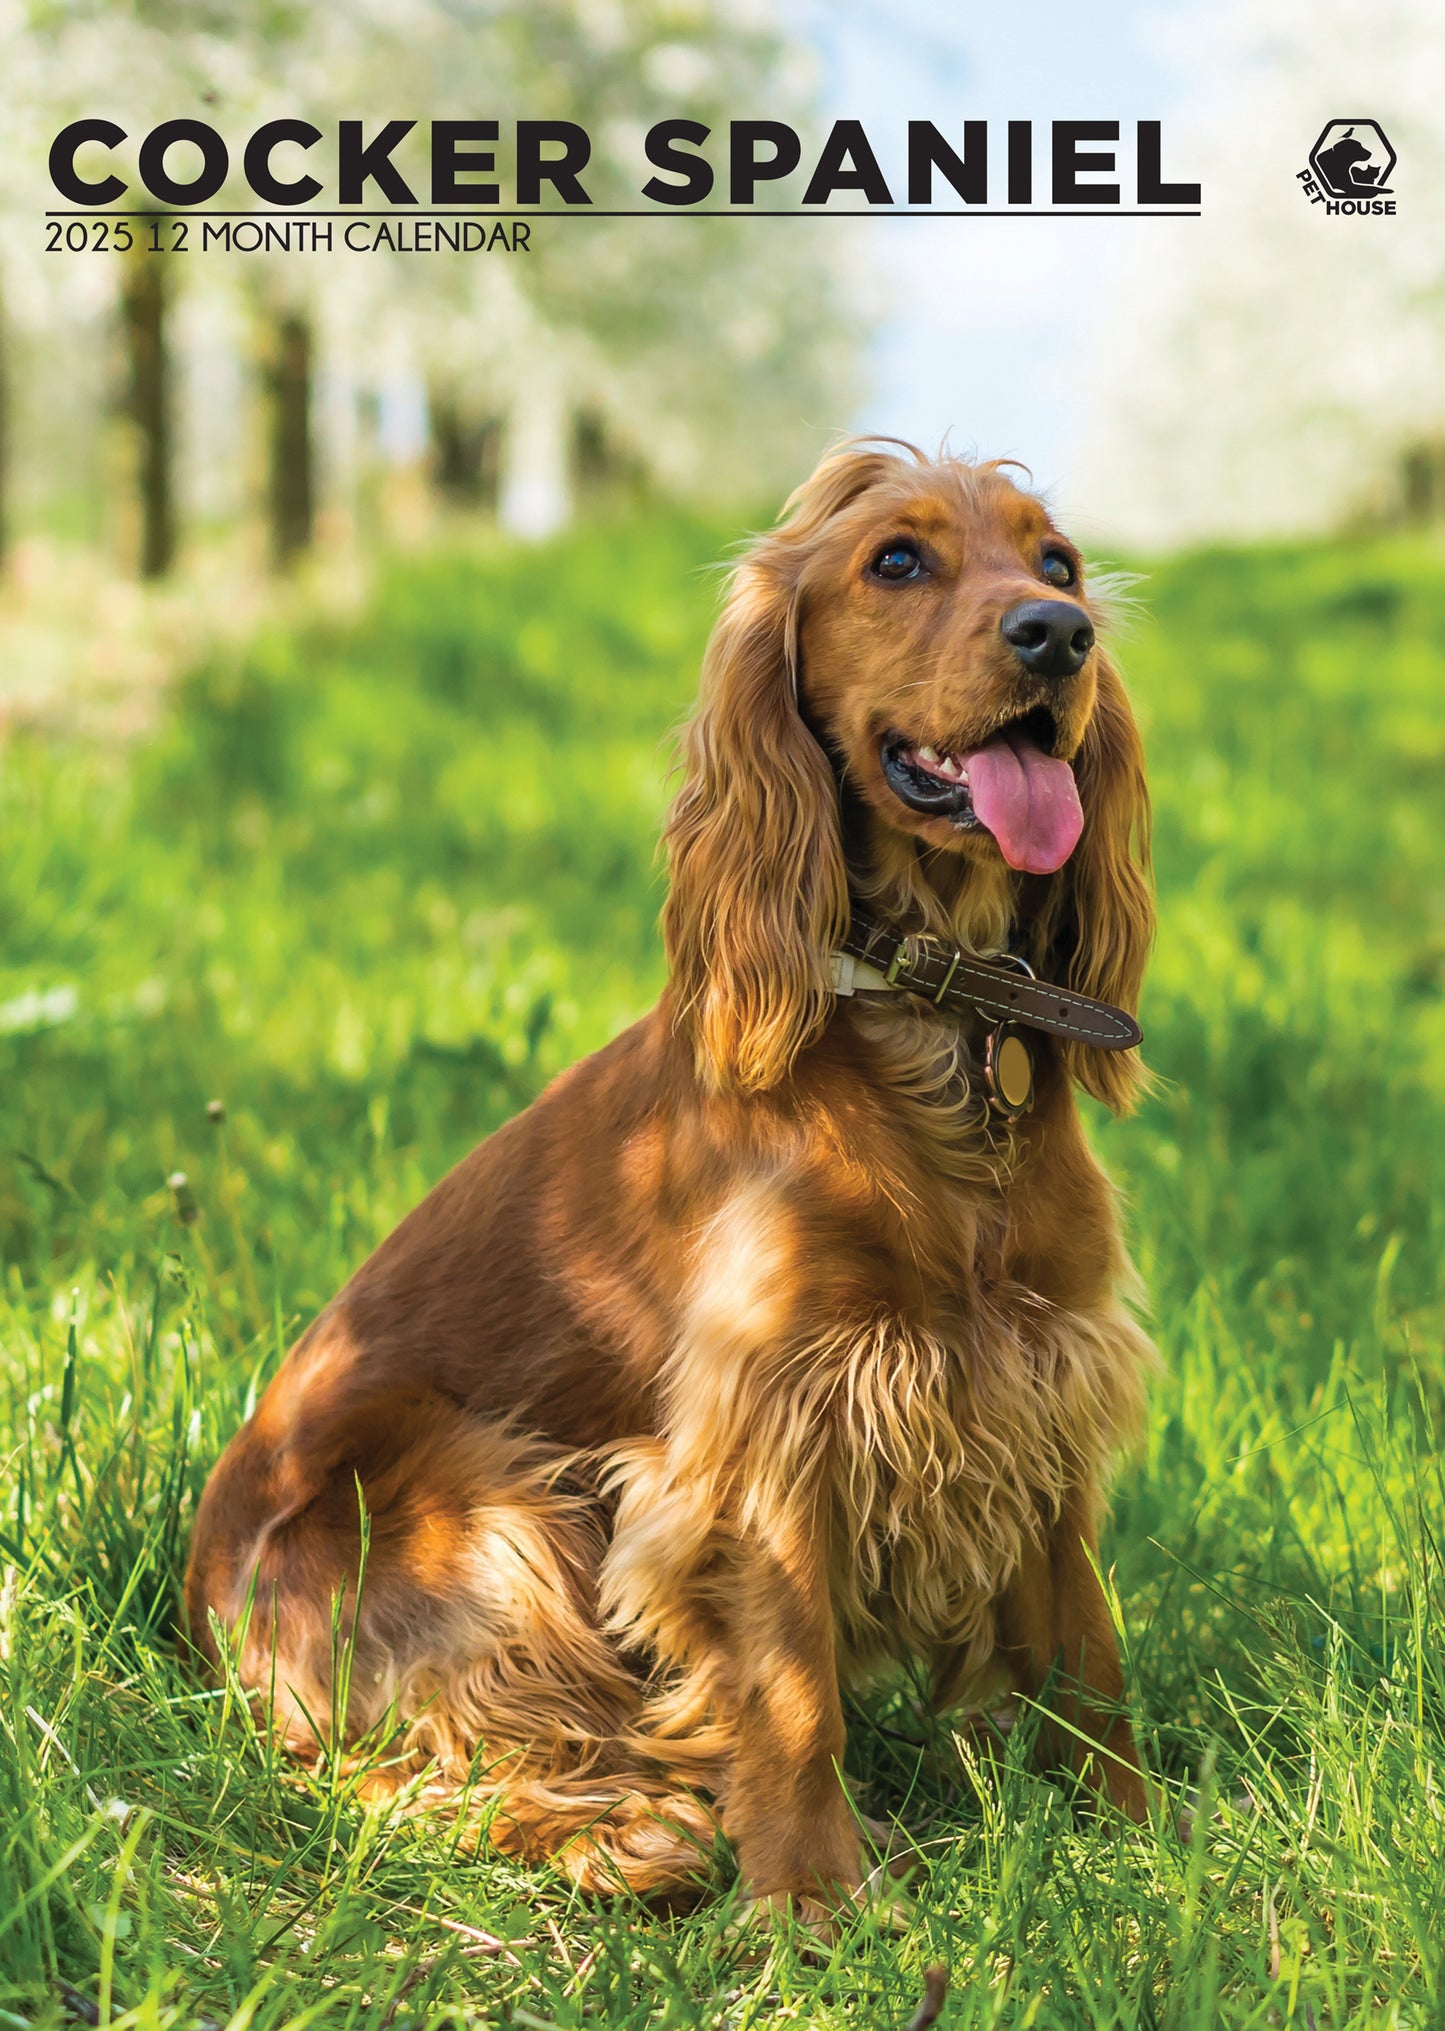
985,321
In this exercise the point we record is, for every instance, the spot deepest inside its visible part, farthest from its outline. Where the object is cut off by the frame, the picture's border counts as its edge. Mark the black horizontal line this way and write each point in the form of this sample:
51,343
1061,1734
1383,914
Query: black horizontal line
403,212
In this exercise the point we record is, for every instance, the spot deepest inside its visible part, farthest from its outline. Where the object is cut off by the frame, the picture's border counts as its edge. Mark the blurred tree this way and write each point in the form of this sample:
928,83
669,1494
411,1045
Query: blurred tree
137,63
602,473
145,291
465,447
1422,484
293,490
4,435
707,355
1271,368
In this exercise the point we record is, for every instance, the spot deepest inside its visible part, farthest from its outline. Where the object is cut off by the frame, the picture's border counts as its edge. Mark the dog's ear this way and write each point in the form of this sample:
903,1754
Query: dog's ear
759,891
758,895
1097,925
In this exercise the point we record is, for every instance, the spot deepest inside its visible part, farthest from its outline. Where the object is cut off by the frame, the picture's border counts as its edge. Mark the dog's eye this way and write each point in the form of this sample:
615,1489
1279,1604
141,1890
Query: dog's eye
1057,569
899,560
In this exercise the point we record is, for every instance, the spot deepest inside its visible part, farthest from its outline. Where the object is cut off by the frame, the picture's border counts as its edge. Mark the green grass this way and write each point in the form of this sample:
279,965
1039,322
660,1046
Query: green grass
370,886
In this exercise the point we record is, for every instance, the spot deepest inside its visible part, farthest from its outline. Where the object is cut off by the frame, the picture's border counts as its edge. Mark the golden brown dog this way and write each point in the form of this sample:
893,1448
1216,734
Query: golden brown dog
761,1350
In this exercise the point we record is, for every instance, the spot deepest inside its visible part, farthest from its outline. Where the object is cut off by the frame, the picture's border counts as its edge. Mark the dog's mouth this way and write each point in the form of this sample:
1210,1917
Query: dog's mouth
1012,786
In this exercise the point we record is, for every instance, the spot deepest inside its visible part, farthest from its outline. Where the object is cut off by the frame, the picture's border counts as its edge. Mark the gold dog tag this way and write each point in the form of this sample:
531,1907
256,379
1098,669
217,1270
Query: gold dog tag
1008,1072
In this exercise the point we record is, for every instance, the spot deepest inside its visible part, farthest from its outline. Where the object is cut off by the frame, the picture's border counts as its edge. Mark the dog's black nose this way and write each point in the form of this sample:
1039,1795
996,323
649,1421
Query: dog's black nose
1051,637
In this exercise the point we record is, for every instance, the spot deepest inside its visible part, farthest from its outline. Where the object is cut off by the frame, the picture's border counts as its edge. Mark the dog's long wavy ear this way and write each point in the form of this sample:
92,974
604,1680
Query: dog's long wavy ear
758,894
1098,924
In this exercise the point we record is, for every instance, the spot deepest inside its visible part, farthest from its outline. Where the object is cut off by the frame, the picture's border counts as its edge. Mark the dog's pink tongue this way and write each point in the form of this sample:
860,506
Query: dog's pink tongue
1028,800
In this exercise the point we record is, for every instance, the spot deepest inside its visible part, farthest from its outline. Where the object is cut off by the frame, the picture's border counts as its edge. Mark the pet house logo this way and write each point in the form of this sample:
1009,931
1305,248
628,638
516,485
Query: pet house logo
1350,167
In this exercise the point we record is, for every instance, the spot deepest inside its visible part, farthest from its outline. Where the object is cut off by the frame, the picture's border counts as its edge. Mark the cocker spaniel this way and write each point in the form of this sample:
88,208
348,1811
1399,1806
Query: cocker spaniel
788,1335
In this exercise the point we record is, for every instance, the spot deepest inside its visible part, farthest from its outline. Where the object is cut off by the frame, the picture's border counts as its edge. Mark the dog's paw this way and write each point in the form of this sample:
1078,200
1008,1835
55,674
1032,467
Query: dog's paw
811,1925
814,1922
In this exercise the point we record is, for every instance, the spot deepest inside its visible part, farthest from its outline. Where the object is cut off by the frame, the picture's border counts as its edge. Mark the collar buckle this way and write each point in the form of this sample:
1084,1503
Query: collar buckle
910,965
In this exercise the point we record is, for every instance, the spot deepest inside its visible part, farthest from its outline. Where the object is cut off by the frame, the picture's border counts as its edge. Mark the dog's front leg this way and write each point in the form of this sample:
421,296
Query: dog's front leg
1054,1619
724,1577
784,1805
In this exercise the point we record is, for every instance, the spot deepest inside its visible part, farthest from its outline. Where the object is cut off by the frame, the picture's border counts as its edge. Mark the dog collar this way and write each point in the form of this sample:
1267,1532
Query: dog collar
1003,991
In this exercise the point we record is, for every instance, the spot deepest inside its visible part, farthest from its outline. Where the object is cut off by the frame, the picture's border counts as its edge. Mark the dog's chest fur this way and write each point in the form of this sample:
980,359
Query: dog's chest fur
951,1456
959,1424
855,1358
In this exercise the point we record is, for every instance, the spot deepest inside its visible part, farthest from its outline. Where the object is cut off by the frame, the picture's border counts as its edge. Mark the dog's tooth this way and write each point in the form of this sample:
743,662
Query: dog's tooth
928,755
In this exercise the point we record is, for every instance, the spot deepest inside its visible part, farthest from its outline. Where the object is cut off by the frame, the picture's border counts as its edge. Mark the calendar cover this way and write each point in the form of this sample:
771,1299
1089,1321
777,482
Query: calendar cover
722,1014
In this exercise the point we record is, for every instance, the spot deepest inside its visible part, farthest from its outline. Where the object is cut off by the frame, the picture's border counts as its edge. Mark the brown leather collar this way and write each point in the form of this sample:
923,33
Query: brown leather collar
1001,990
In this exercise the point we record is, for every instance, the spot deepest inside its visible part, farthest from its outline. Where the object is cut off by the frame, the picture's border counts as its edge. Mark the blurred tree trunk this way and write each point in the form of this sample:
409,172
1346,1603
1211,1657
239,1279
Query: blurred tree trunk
145,293
602,474
4,436
1422,484
293,489
465,452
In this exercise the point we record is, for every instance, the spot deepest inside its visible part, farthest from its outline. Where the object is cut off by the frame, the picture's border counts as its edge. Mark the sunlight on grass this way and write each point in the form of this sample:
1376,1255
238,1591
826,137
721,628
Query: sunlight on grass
369,885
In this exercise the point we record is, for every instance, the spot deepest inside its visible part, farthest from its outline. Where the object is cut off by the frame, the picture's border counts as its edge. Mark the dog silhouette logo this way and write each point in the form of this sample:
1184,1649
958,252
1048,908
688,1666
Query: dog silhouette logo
1353,160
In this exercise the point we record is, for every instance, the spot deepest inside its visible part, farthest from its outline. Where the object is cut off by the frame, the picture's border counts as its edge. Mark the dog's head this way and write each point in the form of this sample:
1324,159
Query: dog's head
905,698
